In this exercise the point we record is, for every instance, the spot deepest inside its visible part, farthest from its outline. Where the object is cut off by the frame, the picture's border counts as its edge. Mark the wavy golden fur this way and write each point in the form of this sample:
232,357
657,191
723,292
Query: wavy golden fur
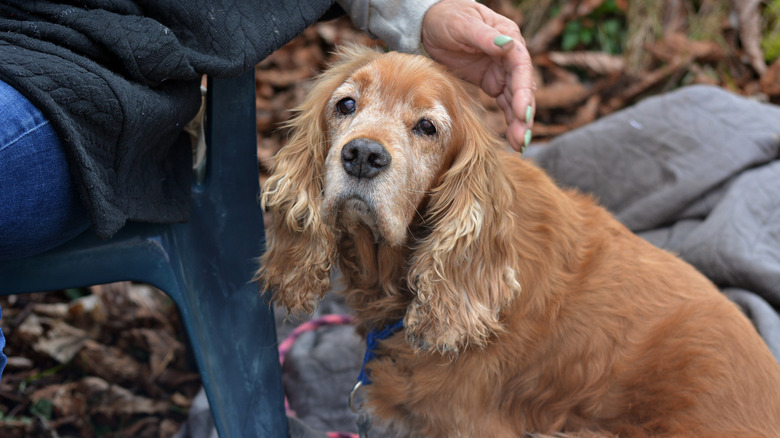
527,308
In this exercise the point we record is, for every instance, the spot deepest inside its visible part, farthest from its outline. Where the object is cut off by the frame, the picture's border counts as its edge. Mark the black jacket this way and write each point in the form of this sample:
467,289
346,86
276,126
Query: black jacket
118,79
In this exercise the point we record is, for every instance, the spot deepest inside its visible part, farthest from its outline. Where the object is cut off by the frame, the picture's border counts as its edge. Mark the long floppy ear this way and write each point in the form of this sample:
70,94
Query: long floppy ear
462,272
300,249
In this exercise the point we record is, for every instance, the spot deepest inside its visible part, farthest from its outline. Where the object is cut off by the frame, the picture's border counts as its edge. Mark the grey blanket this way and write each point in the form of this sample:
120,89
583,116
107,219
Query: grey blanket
695,171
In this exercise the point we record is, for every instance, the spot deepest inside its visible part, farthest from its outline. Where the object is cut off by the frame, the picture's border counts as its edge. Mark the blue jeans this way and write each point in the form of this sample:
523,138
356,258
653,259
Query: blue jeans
39,206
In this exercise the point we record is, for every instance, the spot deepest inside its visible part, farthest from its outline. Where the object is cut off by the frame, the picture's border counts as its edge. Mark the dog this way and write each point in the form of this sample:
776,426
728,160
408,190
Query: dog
527,309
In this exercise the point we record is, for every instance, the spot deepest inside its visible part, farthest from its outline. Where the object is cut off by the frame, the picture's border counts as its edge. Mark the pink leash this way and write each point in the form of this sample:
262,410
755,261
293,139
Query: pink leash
288,342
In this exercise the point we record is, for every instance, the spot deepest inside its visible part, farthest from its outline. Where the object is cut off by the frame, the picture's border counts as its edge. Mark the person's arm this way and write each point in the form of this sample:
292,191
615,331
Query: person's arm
397,23
477,43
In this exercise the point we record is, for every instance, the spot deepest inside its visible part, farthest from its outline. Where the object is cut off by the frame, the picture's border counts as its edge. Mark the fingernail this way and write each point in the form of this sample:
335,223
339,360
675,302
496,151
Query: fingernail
529,113
527,139
502,40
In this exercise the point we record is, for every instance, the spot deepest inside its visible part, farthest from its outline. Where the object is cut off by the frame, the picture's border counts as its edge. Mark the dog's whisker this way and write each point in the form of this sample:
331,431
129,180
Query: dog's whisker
414,208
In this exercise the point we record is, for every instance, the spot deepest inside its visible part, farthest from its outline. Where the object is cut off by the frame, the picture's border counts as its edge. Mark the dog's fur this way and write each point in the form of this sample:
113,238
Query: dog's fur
527,308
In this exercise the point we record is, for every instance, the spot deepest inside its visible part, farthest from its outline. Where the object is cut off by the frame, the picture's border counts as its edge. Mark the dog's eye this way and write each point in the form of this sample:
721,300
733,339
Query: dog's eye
346,106
425,127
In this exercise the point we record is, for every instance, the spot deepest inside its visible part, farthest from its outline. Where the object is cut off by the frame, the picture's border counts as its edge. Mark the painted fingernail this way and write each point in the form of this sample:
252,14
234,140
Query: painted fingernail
529,113
502,40
527,139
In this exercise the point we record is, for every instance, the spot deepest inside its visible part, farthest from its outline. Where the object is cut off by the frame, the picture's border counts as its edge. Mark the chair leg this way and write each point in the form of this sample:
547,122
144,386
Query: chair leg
234,342
231,327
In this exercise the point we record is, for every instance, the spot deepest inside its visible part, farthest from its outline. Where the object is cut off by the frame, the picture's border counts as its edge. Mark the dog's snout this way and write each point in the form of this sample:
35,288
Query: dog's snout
363,158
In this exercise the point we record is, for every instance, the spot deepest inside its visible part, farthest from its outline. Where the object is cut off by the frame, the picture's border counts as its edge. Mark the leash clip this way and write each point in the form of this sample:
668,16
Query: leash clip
372,340
364,420
352,396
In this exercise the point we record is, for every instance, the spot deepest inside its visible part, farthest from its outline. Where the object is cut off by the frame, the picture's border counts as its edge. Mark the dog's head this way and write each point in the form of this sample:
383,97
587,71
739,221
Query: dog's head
382,142
389,127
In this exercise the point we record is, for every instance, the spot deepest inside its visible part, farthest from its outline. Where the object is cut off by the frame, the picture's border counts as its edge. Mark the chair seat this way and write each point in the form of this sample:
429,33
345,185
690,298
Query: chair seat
205,266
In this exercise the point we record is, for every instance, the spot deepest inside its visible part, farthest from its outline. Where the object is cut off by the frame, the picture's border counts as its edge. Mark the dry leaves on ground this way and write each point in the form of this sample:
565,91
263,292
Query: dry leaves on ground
106,361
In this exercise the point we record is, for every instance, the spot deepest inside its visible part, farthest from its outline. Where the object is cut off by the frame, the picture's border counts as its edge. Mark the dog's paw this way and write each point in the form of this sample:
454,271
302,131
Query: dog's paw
427,335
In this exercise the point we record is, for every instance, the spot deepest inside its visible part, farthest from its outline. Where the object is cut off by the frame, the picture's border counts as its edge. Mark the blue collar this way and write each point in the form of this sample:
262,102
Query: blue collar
372,341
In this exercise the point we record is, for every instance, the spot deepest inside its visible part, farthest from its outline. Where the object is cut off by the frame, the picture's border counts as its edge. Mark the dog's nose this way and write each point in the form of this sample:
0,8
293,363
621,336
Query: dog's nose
363,158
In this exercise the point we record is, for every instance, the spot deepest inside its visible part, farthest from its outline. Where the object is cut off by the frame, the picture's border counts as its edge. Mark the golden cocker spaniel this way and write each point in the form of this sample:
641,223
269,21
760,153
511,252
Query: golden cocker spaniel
527,309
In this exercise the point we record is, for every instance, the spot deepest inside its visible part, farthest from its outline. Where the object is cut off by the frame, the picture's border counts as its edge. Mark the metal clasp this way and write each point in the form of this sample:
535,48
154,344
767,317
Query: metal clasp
352,395
364,420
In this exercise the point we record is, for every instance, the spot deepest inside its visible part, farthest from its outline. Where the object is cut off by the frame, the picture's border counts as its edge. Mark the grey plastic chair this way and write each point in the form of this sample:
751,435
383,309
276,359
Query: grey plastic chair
204,265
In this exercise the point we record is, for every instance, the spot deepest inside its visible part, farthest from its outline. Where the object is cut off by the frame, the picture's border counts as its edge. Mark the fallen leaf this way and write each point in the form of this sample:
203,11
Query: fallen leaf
596,62
181,400
770,81
87,310
113,399
65,401
52,310
587,112
749,17
560,95
162,348
677,44
92,395
31,328
60,341
109,363
19,363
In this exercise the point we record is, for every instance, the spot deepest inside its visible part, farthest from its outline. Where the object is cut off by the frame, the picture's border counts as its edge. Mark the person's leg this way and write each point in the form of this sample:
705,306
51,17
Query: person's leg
39,206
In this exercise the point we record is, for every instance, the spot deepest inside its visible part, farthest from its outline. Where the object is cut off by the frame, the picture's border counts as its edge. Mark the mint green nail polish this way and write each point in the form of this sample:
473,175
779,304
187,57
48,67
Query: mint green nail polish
529,113
527,139
502,40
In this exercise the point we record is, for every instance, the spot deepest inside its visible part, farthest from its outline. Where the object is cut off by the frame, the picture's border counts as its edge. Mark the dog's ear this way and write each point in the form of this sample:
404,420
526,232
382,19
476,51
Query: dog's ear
462,272
300,248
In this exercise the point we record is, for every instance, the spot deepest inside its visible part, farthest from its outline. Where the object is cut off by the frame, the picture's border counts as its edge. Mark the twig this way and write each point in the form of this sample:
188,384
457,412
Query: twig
647,81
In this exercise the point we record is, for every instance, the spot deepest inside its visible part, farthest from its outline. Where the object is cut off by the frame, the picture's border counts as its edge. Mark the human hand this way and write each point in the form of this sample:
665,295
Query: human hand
471,39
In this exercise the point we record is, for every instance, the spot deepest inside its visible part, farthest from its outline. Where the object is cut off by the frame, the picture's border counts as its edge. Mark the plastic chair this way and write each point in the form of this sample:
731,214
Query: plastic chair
204,265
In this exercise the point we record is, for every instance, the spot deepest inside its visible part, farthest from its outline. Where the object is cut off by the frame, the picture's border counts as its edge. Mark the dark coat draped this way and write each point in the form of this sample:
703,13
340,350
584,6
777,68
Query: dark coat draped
118,79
